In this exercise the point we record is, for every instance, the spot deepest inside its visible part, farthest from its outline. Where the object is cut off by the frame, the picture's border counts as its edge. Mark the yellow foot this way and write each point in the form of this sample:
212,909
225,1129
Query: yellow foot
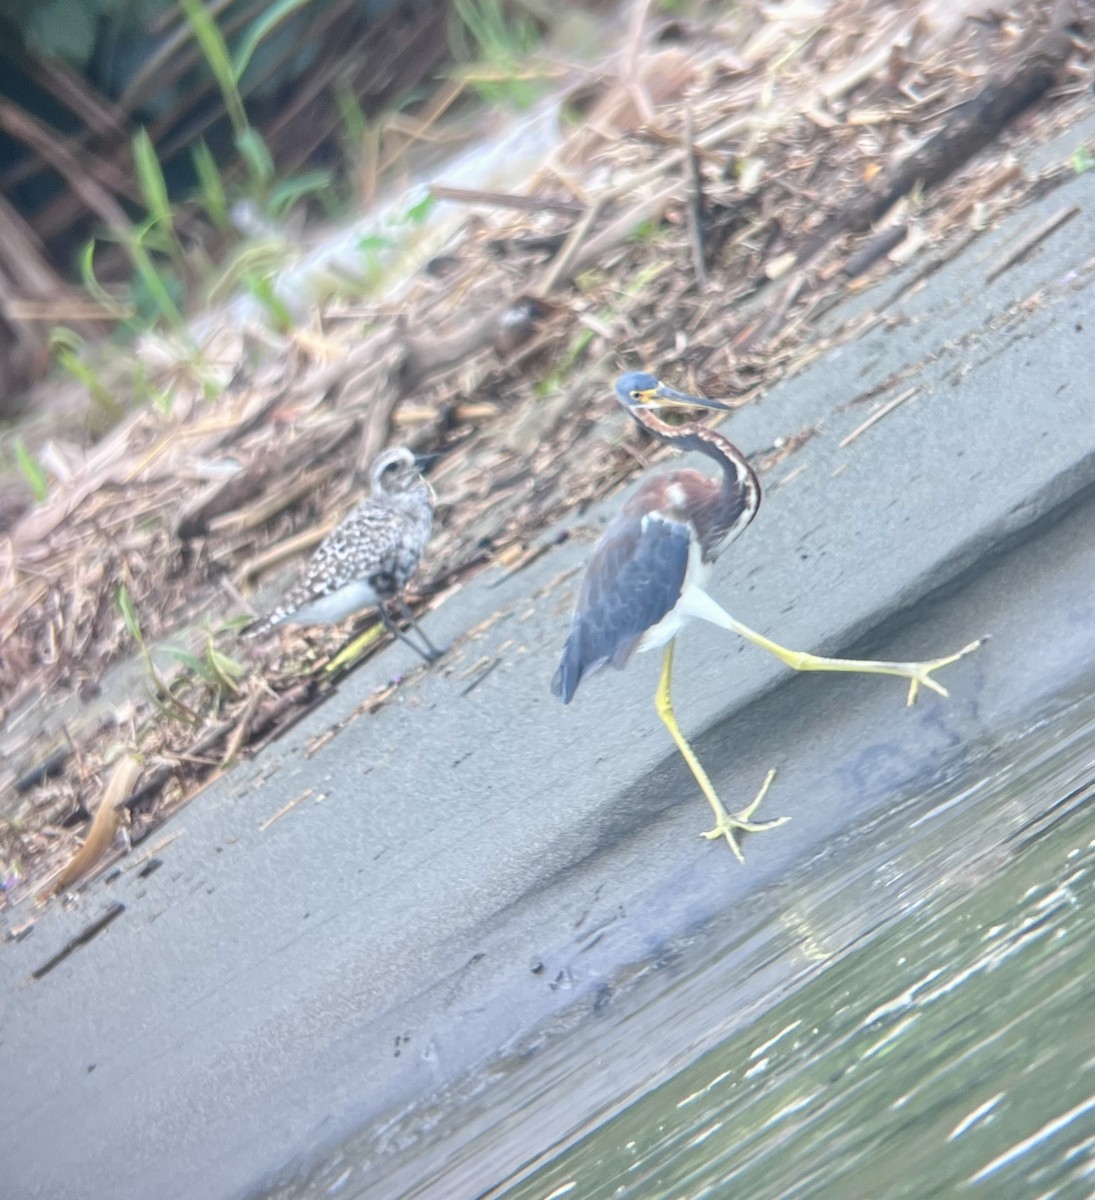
920,673
727,823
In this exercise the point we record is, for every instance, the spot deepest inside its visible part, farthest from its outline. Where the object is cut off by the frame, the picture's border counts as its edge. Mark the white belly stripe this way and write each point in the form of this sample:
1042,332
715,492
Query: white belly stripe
695,576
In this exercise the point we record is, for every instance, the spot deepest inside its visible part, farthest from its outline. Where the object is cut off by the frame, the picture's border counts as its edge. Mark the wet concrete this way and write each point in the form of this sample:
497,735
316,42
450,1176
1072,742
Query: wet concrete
269,990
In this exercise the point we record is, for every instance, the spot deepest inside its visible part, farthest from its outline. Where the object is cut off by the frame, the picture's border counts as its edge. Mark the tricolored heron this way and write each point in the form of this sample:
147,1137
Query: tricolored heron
646,578
368,558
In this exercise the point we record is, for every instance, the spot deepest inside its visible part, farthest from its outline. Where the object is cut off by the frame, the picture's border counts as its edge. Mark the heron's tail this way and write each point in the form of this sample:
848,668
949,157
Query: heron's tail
568,674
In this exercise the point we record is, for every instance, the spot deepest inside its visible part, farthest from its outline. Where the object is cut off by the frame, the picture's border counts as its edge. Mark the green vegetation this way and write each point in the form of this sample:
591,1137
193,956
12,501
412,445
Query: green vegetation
211,193
212,668
556,379
170,270
261,288
378,249
161,692
494,39
31,469
208,677
1082,159
66,347
165,274
355,124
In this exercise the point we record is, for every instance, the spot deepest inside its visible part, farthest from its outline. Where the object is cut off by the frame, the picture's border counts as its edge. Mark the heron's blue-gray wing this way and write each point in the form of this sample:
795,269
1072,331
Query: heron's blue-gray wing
633,580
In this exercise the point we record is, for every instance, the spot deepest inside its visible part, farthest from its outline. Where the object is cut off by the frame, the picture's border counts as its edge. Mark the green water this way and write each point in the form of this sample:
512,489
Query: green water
948,1050
910,1013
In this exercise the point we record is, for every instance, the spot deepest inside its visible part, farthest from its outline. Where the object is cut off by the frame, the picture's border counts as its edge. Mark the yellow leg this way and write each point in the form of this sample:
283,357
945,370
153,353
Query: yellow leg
725,823
701,605
916,672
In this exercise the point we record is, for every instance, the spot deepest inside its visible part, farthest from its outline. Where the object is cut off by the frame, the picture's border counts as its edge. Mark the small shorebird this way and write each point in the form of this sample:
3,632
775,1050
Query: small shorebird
367,559
646,576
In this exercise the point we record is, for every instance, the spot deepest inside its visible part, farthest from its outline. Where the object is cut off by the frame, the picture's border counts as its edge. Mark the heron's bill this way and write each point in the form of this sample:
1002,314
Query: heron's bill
663,396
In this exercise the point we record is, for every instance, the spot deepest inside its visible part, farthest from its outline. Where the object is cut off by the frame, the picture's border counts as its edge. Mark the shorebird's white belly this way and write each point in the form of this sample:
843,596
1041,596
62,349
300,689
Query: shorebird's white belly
334,607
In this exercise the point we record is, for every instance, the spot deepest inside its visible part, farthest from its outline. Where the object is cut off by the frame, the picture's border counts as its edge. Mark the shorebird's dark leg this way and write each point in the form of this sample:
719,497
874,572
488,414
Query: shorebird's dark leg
430,654
408,616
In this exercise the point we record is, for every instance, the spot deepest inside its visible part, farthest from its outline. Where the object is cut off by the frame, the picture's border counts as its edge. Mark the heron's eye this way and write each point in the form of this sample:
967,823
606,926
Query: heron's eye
636,395
391,468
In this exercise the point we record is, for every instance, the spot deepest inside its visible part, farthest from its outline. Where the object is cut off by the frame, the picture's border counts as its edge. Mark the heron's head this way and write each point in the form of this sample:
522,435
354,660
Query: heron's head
638,390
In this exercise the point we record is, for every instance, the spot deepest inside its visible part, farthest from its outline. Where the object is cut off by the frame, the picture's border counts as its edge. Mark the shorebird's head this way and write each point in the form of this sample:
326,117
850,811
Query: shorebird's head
394,471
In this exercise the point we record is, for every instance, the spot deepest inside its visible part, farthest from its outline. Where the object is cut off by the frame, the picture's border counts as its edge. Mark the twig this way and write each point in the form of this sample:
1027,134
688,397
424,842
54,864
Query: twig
139,859
157,779
298,701
696,204
243,728
287,808
887,408
870,60
63,308
254,516
480,677
85,935
104,826
53,150
876,248
767,323
560,266
443,191
623,227
636,86
1026,244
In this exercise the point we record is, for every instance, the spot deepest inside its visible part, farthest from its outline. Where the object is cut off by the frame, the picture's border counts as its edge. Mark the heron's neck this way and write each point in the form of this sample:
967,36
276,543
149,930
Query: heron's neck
739,491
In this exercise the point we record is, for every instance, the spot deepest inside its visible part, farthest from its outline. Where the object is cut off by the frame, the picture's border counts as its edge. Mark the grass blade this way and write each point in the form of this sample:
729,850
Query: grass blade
211,184
285,194
150,179
153,282
211,41
261,287
271,18
355,123
32,471
94,288
65,345
253,151
188,659
129,614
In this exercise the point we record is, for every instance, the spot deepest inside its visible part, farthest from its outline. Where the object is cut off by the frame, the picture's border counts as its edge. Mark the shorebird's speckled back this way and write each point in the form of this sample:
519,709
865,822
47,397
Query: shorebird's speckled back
370,556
